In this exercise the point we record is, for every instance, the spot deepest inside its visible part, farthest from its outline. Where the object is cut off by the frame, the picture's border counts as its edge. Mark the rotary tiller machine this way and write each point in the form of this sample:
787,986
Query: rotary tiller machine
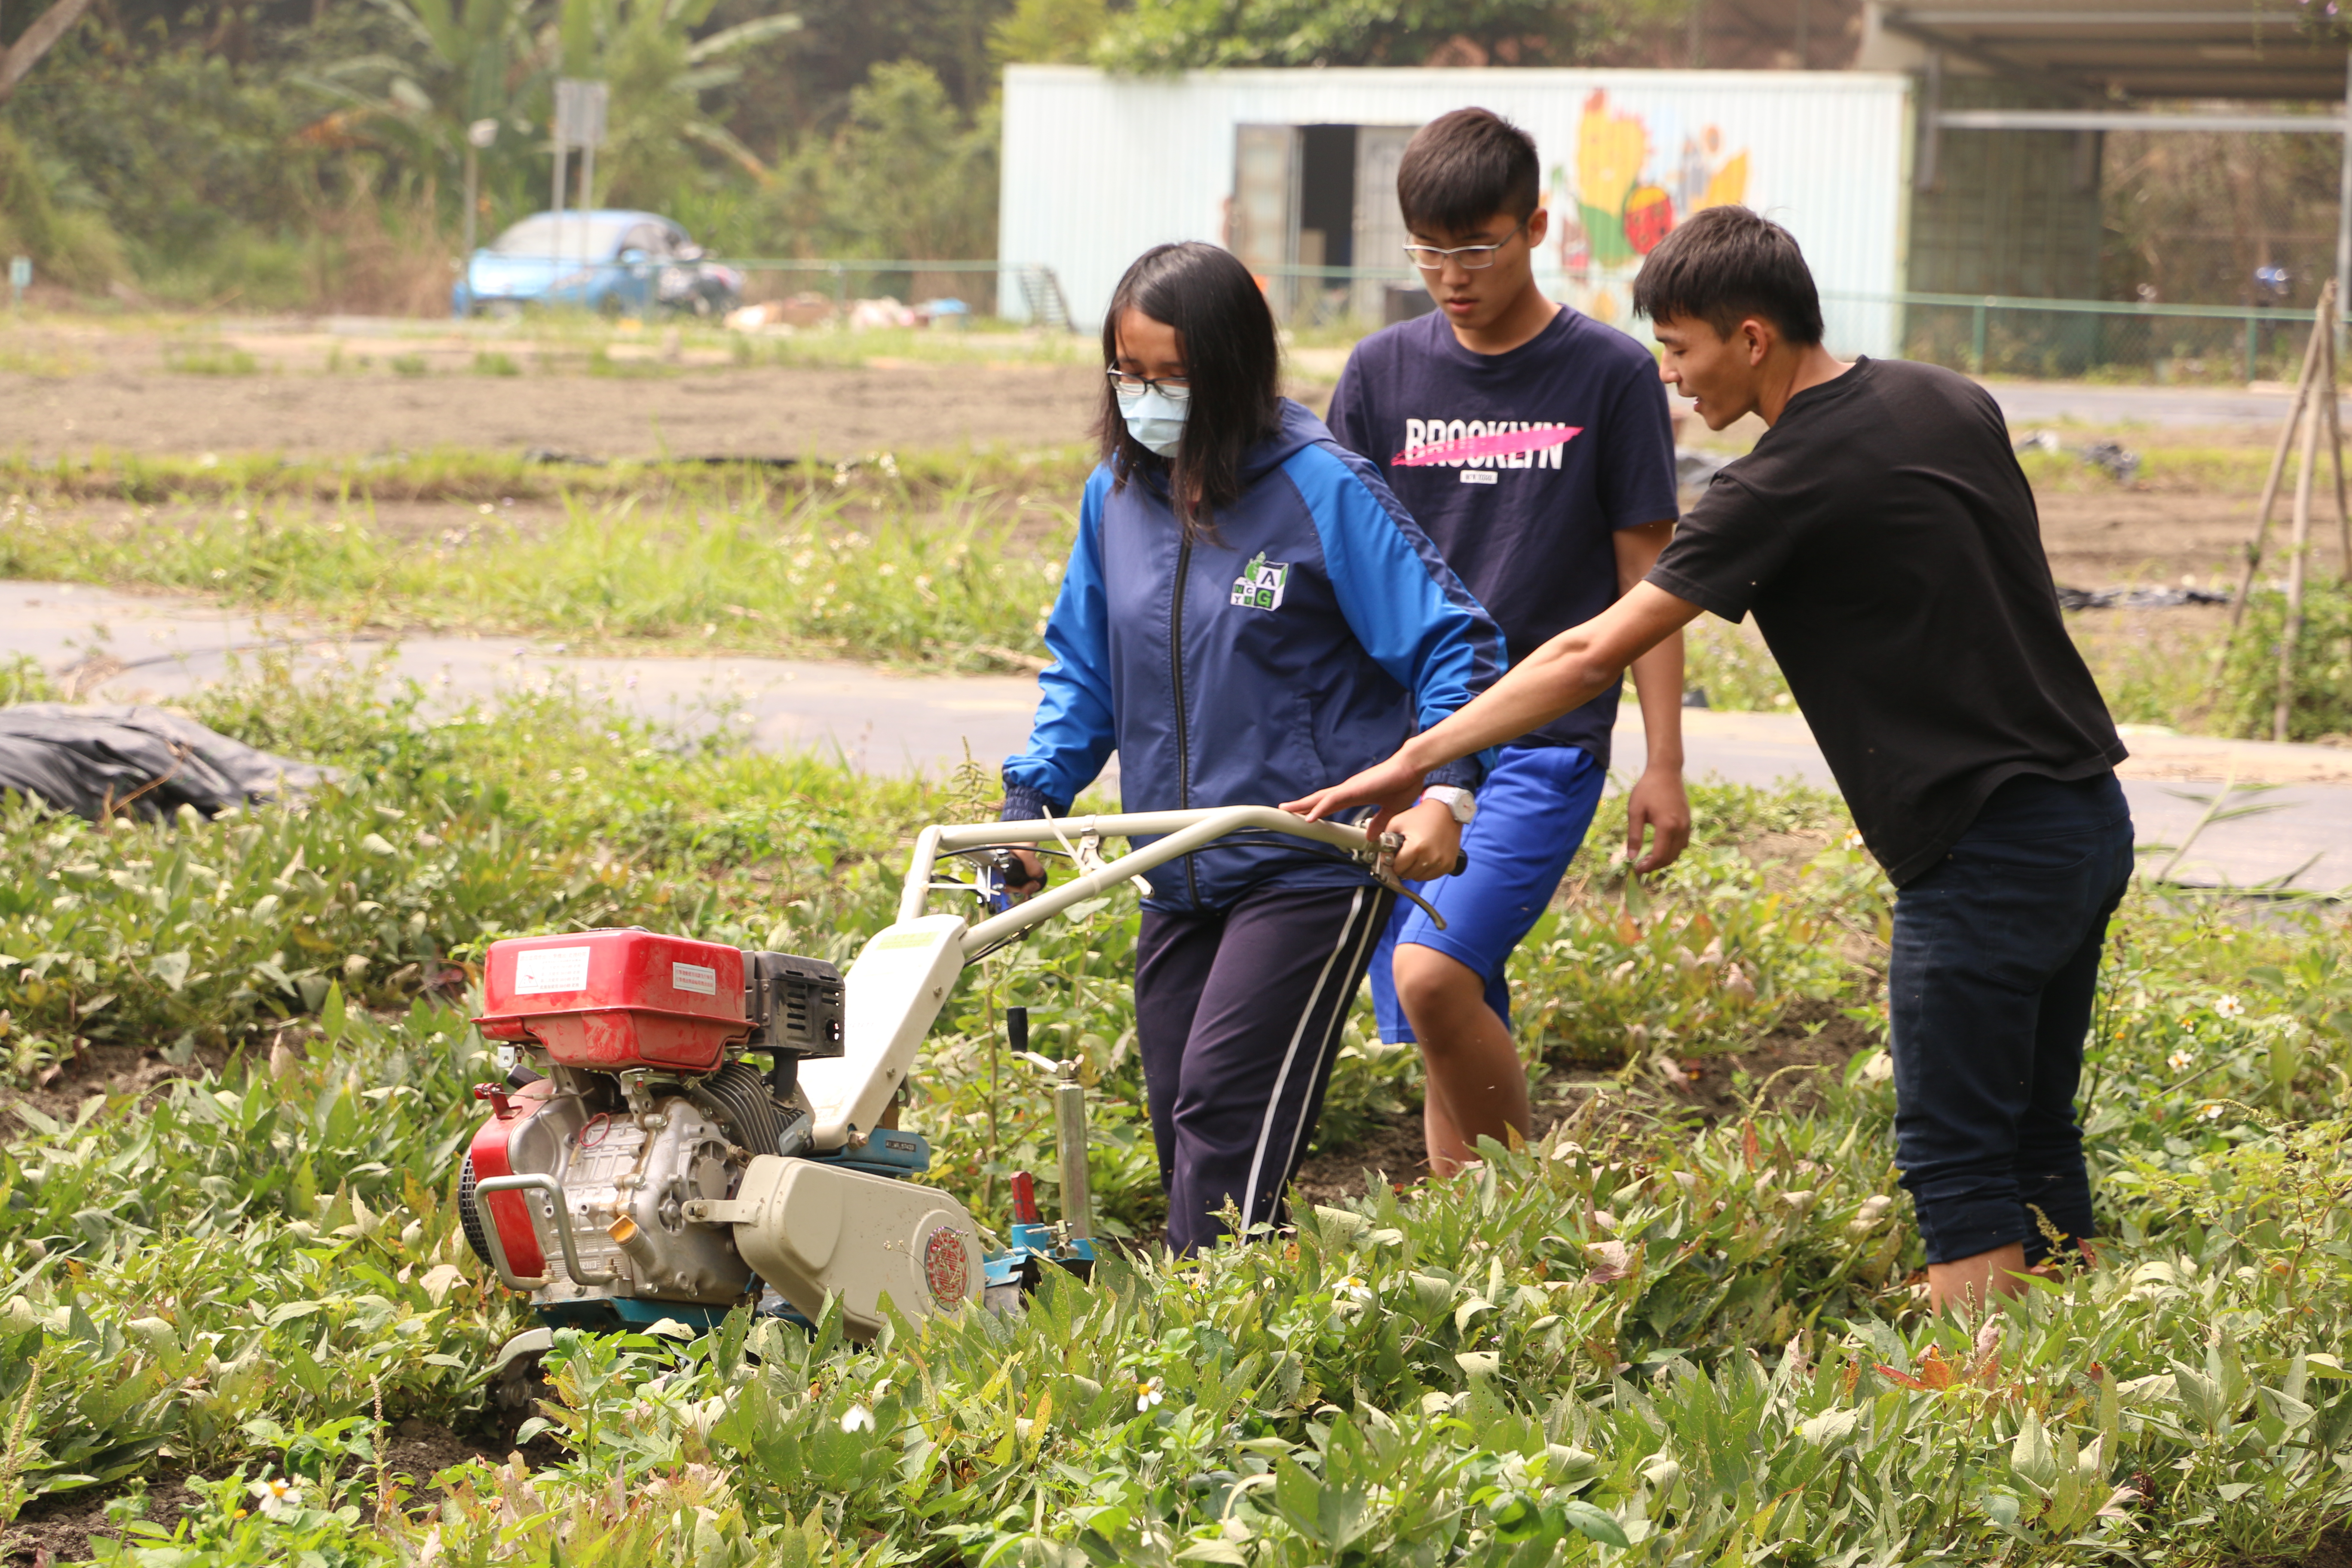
637,1164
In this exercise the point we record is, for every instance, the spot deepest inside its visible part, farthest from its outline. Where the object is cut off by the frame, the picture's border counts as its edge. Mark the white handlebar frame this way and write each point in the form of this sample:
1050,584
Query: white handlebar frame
1179,833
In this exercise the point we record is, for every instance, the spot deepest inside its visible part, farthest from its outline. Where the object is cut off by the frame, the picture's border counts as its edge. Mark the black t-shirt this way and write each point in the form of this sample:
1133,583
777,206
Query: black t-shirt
1521,467
1887,541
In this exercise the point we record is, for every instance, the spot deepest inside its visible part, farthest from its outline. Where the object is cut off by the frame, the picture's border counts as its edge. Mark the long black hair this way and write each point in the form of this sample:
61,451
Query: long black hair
1233,362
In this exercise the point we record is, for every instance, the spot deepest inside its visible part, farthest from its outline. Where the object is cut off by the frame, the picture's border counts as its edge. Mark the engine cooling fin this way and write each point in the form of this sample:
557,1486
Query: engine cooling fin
740,1093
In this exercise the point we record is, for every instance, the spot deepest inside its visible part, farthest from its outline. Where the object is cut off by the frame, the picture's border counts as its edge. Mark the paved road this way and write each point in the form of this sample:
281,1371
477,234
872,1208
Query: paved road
2029,403
161,649
2169,780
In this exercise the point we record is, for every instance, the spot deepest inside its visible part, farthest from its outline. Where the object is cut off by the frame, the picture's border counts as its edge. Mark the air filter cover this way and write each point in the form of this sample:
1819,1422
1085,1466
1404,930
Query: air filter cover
613,1000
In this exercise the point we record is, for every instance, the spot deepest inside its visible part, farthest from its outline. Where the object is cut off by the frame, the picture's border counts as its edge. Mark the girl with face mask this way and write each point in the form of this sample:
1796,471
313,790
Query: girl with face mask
1246,609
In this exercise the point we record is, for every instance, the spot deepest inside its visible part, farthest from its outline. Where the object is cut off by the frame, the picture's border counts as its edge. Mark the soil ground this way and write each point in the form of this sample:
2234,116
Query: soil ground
60,1528
116,392
69,389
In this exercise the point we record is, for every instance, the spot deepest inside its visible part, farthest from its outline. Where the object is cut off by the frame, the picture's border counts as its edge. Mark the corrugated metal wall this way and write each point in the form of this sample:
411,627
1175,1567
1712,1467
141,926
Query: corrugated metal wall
1099,168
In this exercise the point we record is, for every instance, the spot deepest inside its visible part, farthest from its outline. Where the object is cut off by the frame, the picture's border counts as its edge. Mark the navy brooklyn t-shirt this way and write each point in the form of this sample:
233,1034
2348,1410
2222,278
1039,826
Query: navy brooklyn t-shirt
1521,467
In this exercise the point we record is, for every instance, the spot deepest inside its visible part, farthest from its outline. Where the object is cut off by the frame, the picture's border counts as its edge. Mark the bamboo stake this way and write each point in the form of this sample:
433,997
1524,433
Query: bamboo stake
2336,440
2311,353
2343,509
2306,470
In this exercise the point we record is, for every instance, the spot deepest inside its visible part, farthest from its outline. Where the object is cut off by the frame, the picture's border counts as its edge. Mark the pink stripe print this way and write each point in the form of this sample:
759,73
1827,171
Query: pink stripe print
1503,444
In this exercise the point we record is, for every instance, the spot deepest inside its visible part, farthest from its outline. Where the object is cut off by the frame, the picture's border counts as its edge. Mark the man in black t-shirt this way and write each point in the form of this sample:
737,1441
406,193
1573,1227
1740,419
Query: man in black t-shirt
1887,543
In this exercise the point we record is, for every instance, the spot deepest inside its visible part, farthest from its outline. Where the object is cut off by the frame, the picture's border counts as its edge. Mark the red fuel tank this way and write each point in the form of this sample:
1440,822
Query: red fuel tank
612,1000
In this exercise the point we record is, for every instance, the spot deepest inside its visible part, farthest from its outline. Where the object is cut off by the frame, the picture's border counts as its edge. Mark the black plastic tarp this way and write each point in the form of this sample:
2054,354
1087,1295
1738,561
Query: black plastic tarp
95,762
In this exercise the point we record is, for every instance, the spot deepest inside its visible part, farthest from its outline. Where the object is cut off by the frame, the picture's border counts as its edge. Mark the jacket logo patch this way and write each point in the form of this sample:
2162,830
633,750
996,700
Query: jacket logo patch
1260,585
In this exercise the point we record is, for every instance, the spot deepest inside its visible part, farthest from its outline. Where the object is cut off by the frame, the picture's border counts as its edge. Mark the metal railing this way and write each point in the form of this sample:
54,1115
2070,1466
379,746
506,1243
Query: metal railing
1999,334
1988,334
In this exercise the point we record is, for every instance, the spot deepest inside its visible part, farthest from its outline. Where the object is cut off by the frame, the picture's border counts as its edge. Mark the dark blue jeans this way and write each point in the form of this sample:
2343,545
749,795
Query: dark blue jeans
1995,963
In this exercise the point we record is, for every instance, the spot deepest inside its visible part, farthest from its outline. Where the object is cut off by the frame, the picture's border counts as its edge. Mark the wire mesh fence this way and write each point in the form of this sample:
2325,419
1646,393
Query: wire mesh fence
1983,334
2099,339
2131,342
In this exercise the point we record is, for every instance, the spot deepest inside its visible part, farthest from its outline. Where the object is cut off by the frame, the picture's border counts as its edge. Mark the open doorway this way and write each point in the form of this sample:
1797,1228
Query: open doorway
1314,209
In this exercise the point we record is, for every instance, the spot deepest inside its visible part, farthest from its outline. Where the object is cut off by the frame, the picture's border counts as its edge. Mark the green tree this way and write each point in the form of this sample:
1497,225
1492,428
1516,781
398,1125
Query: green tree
1049,32
906,176
659,72
1164,35
458,62
18,59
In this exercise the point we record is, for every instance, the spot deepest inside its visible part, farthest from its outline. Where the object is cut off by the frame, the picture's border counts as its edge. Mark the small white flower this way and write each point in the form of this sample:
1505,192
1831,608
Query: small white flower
858,1418
1354,1289
277,1494
1852,838
2179,1060
2210,1113
2229,1007
1150,1392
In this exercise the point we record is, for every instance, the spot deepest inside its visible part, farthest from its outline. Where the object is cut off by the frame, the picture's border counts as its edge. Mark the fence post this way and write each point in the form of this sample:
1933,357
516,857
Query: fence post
2253,326
841,296
1977,338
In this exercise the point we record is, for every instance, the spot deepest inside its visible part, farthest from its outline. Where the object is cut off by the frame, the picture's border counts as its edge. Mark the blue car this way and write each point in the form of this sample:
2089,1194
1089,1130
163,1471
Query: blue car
620,263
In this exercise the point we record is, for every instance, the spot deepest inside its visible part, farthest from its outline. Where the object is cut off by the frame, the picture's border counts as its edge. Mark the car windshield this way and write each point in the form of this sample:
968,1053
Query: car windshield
567,234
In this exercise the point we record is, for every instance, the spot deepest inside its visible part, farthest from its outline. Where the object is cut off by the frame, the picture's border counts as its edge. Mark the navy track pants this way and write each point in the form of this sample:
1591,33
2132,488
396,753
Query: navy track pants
1238,1018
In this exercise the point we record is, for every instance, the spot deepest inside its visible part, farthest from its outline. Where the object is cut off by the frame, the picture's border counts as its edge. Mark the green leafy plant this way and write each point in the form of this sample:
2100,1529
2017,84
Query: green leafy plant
1651,1335
2319,701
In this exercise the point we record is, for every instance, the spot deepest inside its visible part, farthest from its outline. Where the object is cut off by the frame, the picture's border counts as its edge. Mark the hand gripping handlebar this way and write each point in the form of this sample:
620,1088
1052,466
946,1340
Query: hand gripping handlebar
1176,833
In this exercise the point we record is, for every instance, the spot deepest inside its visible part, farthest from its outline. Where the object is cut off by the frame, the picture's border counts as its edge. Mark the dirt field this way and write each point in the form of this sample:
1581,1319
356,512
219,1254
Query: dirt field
64,392
68,389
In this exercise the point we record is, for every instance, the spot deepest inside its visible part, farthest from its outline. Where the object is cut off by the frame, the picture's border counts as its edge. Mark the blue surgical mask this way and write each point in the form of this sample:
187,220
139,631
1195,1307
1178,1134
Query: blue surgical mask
1155,417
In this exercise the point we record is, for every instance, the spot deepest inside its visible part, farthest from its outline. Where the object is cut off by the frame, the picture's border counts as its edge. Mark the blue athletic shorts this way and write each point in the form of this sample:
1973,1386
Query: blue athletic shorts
1533,811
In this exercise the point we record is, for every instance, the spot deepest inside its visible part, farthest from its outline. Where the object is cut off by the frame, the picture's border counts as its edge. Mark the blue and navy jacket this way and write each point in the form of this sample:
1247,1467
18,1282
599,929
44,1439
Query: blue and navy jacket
1315,631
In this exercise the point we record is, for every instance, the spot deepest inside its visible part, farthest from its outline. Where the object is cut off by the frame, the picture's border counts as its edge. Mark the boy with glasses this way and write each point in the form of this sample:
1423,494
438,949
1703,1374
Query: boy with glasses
1533,444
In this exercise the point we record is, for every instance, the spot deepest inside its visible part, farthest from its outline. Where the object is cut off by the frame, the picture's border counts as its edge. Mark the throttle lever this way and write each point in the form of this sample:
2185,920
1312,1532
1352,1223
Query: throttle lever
1384,873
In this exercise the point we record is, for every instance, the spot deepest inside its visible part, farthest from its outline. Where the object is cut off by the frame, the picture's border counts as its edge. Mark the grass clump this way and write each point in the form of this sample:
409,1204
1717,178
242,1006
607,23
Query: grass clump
210,359
887,561
2320,699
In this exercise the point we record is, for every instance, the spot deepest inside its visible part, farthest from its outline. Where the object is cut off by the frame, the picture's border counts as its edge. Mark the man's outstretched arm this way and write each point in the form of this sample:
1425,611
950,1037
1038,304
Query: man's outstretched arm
1565,673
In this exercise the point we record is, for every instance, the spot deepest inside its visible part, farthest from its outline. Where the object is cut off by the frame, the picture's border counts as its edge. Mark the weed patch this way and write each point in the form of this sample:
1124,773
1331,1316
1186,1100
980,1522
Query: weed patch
210,360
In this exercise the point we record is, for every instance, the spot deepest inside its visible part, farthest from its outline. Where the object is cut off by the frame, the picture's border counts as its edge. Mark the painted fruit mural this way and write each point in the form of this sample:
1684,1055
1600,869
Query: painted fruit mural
1625,203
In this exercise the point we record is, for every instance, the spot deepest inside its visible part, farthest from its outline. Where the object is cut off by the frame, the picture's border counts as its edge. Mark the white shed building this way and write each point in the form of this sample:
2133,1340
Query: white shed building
1296,171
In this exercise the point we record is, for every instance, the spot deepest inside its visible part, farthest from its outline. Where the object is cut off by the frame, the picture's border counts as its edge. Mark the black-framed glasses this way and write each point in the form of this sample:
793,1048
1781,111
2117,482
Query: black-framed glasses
1472,257
1128,385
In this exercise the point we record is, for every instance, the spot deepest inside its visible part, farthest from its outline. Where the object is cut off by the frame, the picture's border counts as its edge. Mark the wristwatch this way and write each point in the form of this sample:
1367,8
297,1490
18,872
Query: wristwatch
1456,799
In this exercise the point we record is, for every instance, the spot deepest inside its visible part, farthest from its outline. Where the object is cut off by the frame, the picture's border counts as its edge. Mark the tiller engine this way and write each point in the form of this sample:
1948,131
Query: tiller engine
640,1161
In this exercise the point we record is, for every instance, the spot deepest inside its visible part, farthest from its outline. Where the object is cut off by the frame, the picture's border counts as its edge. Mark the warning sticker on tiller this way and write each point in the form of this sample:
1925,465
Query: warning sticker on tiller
698,978
542,969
